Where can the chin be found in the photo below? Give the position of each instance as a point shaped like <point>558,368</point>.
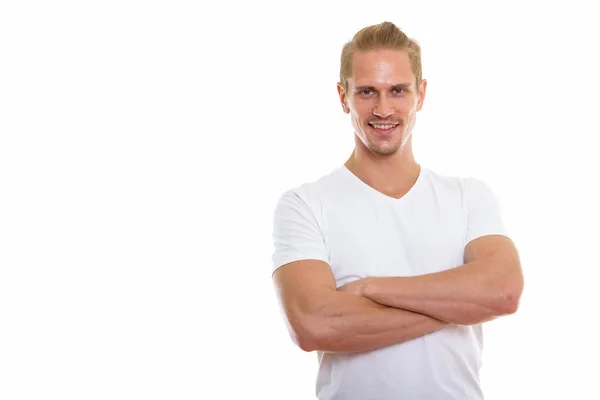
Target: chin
<point>381,145</point>
<point>384,152</point>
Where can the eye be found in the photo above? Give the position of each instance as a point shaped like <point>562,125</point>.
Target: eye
<point>366,92</point>
<point>398,91</point>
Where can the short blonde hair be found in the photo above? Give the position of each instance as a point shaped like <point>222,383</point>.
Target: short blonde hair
<point>385,35</point>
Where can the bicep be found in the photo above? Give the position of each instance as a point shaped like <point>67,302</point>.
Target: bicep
<point>484,213</point>
<point>303,280</point>
<point>303,289</point>
<point>301,286</point>
<point>500,253</point>
<point>297,236</point>
<point>486,235</point>
<point>490,245</point>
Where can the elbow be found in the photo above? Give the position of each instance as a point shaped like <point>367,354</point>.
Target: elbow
<point>306,342</point>
<point>304,335</point>
<point>510,297</point>
<point>508,305</point>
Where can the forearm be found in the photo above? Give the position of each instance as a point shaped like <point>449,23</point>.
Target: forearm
<point>465,295</point>
<point>350,323</point>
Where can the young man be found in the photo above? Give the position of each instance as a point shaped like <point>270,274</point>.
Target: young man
<point>383,267</point>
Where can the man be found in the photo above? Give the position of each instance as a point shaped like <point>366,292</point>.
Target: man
<point>383,267</point>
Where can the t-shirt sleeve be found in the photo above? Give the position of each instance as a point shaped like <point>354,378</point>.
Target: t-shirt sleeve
<point>296,232</point>
<point>484,212</point>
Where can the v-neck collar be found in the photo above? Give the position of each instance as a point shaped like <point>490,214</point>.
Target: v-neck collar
<point>373,191</point>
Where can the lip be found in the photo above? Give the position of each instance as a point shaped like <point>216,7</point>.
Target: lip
<point>384,132</point>
<point>383,123</point>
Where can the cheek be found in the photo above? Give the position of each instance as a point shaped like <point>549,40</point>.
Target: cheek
<point>362,108</point>
<point>360,113</point>
<point>357,122</point>
<point>406,107</point>
<point>410,113</point>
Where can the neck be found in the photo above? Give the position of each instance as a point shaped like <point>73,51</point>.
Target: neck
<point>393,175</point>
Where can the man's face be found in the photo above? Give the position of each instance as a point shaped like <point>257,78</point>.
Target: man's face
<point>382,99</point>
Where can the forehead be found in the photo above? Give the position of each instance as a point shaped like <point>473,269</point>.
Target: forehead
<point>383,66</point>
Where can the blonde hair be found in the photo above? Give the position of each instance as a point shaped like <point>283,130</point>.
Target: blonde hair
<point>385,35</point>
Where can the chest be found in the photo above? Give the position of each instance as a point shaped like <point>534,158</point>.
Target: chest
<point>365,239</point>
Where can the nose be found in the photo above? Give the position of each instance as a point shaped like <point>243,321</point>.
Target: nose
<point>384,108</point>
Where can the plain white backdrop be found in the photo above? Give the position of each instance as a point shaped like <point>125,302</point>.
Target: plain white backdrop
<point>143,146</point>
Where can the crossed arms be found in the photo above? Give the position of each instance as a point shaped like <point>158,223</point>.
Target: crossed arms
<point>379,311</point>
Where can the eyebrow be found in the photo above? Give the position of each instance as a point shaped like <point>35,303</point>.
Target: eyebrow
<point>397,86</point>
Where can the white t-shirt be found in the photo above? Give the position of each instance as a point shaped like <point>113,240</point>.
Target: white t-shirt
<point>361,232</point>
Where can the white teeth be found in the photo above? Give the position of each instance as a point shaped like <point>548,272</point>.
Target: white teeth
<point>383,126</point>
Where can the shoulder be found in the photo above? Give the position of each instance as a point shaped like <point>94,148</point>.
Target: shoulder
<point>467,188</point>
<point>443,181</point>
<point>466,183</point>
<point>311,193</point>
<point>476,187</point>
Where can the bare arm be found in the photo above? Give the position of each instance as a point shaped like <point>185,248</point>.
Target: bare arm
<point>487,286</point>
<point>321,318</point>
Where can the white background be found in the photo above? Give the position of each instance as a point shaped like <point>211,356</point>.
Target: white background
<point>143,146</point>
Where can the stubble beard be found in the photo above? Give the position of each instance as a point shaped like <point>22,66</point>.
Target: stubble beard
<point>386,148</point>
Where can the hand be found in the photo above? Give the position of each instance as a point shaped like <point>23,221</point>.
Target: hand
<point>356,287</point>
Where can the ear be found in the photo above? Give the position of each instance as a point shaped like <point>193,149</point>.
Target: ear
<point>343,98</point>
<point>422,91</point>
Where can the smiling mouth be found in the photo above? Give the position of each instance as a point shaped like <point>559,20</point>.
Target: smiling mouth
<point>383,128</point>
<point>379,126</point>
